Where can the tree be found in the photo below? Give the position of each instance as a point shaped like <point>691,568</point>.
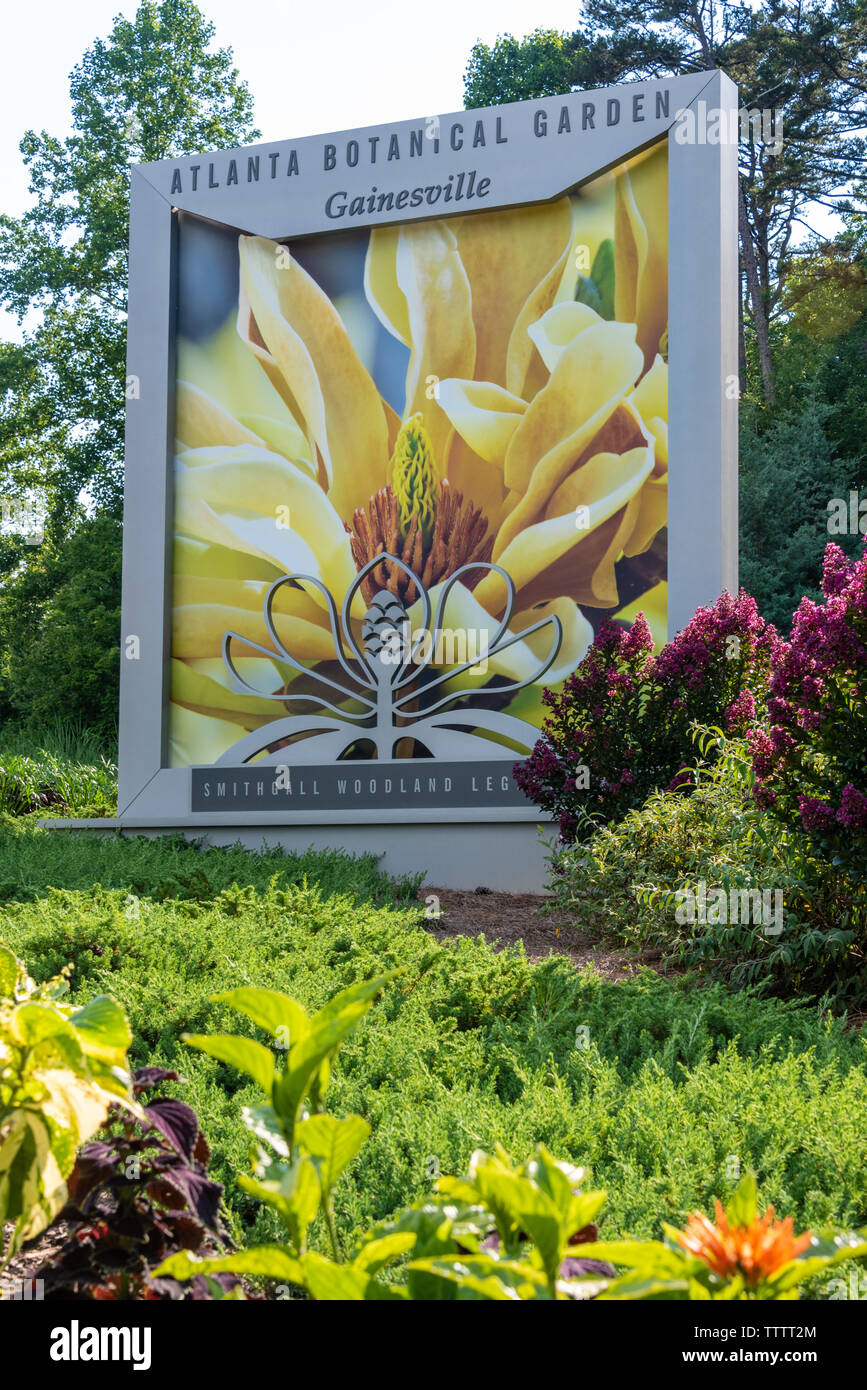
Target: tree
<point>154,88</point>
<point>804,59</point>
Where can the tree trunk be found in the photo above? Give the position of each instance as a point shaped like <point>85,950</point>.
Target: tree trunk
<point>760,312</point>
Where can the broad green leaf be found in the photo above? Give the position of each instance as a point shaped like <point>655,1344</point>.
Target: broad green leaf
<point>602,275</point>
<point>637,1285</point>
<point>332,1142</point>
<point>32,1023</point>
<point>376,1254</point>
<point>328,1028</point>
<point>332,1283</point>
<point>742,1206</point>
<point>293,1191</point>
<point>269,1261</point>
<point>279,1015</point>
<point>584,1209</point>
<point>263,1121</point>
<point>248,1056</point>
<point>649,1256</point>
<point>586,292</point>
<point>498,1280</point>
<point>103,1029</point>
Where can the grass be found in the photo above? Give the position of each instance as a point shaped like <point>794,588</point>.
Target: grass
<point>661,1088</point>
<point>57,769</point>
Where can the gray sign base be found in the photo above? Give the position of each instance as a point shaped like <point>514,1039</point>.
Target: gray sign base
<point>507,858</point>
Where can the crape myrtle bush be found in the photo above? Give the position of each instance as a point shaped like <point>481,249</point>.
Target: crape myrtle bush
<point>626,716</point>
<point>811,763</point>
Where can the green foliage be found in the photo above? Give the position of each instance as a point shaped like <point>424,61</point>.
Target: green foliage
<point>54,786</point>
<point>61,1067</point>
<point>742,1257</point>
<point>501,1233</point>
<point>789,472</point>
<point>651,1084</point>
<point>628,882</point>
<point>154,88</point>
<point>60,630</point>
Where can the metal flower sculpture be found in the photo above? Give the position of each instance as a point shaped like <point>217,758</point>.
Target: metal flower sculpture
<point>394,689</point>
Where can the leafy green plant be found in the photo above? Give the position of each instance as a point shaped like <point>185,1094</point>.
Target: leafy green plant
<point>300,1154</point>
<point>511,1228</point>
<point>503,1232</point>
<point>137,1194</point>
<point>61,1067</point>
<point>47,783</point>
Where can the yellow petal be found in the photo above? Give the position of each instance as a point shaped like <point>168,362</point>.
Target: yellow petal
<point>193,557</point>
<point>386,298</point>
<point>325,384</point>
<point>262,504</point>
<point>641,247</point>
<point>507,256</point>
<point>434,285</point>
<point>652,515</point>
<point>200,420</point>
<point>650,396</point>
<point>576,641</point>
<point>282,437</point>
<point>560,549</point>
<point>557,329</point>
<point>592,376</point>
<point>203,684</point>
<point>484,415</point>
<point>198,631</point>
<point>198,738</point>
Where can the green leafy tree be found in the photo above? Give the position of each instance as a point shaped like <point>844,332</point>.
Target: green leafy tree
<point>60,630</point>
<point>154,88</point>
<point>805,60</point>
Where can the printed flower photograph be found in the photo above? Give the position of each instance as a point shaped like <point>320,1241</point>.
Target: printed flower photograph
<point>471,395</point>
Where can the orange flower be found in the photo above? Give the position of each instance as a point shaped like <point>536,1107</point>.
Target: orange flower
<point>755,1251</point>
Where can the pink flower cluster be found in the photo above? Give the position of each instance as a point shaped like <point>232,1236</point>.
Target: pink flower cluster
<point>811,764</point>
<point>626,715</point>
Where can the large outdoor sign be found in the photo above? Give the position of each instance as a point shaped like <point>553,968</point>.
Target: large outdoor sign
<point>411,411</point>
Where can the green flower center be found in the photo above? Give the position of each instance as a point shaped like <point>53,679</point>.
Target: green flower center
<point>414,477</point>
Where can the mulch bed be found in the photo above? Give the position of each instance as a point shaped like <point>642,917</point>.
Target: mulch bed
<point>507,918</point>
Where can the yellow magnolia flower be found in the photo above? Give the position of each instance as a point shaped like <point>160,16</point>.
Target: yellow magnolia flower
<point>533,435</point>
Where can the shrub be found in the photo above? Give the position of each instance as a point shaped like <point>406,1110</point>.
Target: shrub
<point>811,765</point>
<point>620,728</point>
<point>471,1047</point>
<point>46,784</point>
<point>631,880</point>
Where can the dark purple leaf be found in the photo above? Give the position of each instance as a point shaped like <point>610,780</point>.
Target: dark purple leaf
<point>177,1122</point>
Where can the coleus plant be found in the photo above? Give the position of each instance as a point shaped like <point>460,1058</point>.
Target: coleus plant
<point>136,1196</point>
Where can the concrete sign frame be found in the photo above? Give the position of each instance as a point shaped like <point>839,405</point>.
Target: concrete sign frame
<point>297,193</point>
